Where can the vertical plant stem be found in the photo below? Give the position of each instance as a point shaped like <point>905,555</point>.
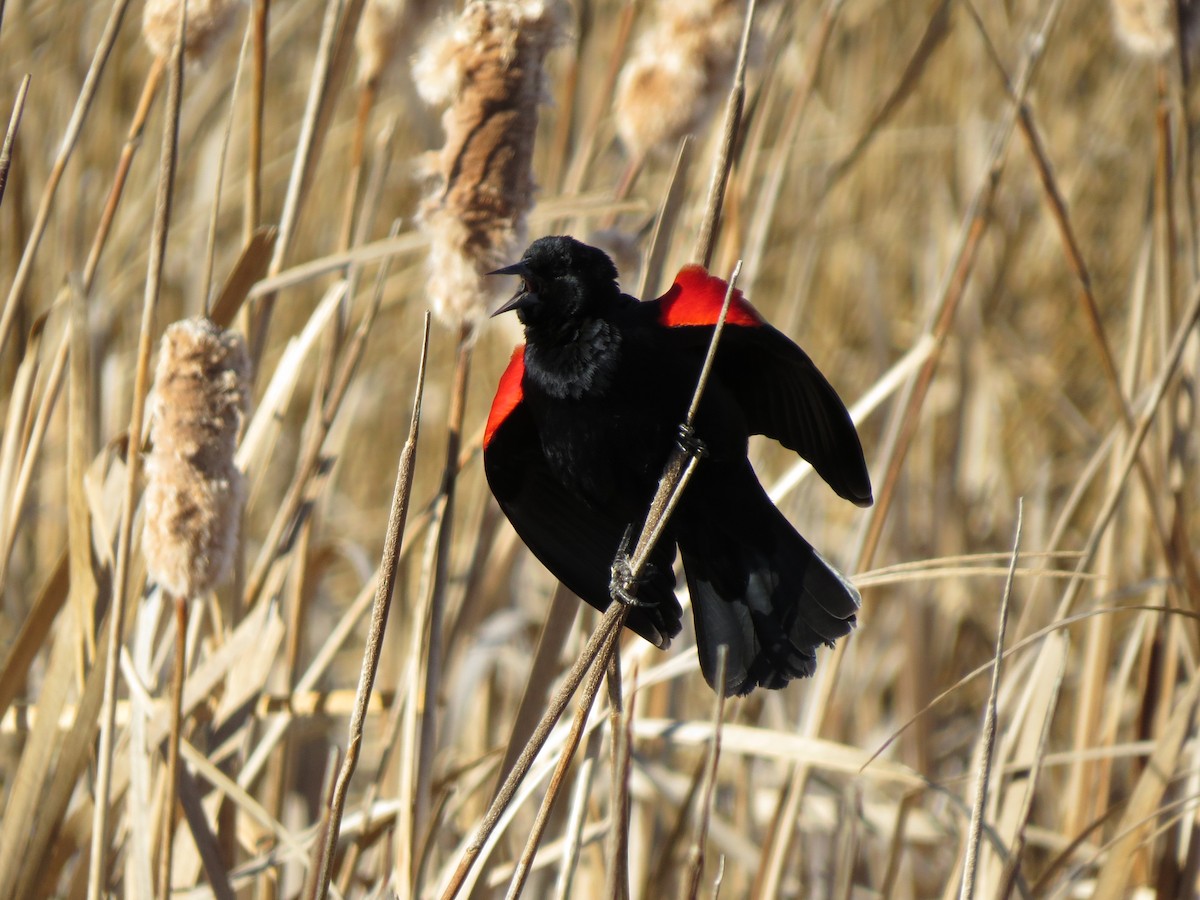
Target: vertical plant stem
<point>97,871</point>
<point>172,777</point>
<point>704,808</point>
<point>988,739</point>
<point>261,17</point>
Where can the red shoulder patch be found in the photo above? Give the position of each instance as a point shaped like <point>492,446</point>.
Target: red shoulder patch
<point>696,298</point>
<point>508,394</point>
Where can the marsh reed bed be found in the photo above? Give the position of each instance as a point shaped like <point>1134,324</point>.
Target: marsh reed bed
<point>217,496</point>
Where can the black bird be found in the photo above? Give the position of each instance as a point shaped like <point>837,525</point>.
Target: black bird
<point>585,418</point>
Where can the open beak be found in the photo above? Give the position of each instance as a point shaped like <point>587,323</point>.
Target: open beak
<point>522,297</point>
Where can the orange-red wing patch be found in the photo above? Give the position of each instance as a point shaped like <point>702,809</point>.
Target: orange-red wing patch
<point>696,298</point>
<point>508,394</point>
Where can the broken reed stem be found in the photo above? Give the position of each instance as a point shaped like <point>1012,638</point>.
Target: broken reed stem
<point>988,738</point>
<point>14,122</point>
<point>676,475</point>
<point>570,745</point>
<point>704,809</point>
<point>388,569</point>
<point>97,865</point>
<point>706,240</point>
<point>168,812</point>
<point>82,105</point>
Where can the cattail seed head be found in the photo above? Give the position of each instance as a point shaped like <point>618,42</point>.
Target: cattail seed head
<point>207,22</point>
<point>376,38</point>
<point>194,490</point>
<point>488,65</point>
<point>677,73</point>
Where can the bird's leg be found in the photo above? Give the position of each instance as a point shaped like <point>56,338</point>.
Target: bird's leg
<point>622,583</point>
<point>690,443</point>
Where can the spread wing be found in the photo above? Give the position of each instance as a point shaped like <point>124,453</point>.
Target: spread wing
<point>575,541</point>
<point>782,393</point>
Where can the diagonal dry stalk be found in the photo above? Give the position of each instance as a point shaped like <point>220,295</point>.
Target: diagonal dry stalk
<point>379,615</point>
<point>158,243</point>
<point>132,142</point>
<point>83,105</point>
<point>14,122</point>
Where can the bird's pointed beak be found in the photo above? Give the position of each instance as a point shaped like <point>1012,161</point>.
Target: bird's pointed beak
<point>522,297</point>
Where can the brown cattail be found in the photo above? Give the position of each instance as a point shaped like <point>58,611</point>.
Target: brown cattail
<point>488,65</point>
<point>207,22</point>
<point>678,72</point>
<point>1145,28</point>
<point>194,494</point>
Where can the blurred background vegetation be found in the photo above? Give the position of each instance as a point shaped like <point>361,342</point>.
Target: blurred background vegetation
<point>978,218</point>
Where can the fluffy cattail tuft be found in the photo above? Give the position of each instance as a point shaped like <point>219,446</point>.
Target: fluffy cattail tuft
<point>194,494</point>
<point>376,38</point>
<point>207,22</point>
<point>488,65</point>
<point>678,72</point>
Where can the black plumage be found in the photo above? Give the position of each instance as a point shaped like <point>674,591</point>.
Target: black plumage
<point>586,416</point>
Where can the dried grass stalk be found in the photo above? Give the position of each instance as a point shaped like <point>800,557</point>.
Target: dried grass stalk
<point>488,66</point>
<point>207,23</point>
<point>679,71</point>
<point>194,493</point>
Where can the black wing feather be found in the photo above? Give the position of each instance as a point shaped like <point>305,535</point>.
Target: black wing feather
<point>575,541</point>
<point>784,396</point>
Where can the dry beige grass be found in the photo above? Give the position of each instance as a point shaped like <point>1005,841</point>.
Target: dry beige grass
<point>975,217</point>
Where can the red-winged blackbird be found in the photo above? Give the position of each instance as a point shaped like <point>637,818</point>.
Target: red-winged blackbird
<point>585,418</point>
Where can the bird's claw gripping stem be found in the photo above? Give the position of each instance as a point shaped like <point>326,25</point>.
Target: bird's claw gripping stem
<point>623,583</point>
<point>690,443</point>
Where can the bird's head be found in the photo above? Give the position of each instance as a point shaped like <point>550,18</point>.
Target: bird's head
<point>562,281</point>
